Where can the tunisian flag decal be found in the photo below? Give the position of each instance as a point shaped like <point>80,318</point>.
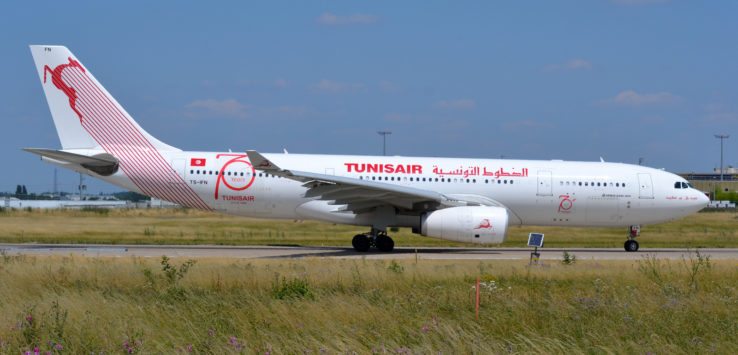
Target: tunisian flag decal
<point>197,162</point>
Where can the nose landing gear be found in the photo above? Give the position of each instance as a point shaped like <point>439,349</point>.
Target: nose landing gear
<point>375,238</point>
<point>631,244</point>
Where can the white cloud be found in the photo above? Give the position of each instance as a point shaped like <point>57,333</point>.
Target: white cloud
<point>632,98</point>
<point>462,104</point>
<point>326,85</point>
<point>574,64</point>
<point>332,19</point>
<point>212,107</point>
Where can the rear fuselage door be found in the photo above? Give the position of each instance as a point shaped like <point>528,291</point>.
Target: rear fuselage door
<point>645,186</point>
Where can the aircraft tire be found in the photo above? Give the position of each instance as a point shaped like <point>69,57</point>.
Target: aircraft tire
<point>631,246</point>
<point>385,243</point>
<point>361,243</point>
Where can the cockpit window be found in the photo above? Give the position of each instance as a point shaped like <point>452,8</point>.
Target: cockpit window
<point>685,185</point>
<point>678,185</point>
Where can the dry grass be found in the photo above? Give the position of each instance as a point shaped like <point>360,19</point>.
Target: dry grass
<point>340,306</point>
<point>183,226</point>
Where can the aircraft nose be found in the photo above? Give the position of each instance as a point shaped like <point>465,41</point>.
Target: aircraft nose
<point>704,200</point>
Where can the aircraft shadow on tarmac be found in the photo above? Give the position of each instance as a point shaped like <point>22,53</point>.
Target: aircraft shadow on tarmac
<point>344,252</point>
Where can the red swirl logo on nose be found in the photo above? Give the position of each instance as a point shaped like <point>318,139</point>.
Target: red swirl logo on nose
<point>56,79</point>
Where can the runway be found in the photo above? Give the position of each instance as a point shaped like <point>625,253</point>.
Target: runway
<point>440,253</point>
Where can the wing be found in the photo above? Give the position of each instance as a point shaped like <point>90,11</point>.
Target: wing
<point>103,164</point>
<point>359,196</point>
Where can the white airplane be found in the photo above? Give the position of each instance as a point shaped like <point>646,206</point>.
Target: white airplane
<point>459,199</point>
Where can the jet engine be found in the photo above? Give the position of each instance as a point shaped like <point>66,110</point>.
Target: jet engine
<point>468,224</point>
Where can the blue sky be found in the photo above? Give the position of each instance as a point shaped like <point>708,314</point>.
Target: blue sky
<point>572,80</point>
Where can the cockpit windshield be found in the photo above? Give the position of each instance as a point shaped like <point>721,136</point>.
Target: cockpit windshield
<point>682,185</point>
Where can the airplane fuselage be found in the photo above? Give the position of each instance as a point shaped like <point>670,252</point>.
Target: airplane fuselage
<point>536,192</point>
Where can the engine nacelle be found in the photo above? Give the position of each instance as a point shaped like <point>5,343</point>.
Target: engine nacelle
<point>468,224</point>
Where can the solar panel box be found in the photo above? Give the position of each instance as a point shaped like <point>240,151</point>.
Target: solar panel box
<point>535,240</point>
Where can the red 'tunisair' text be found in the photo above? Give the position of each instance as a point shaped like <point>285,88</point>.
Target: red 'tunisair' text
<point>384,168</point>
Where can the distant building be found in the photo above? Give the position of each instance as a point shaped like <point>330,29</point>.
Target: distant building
<point>729,170</point>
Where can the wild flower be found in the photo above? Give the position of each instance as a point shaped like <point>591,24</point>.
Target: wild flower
<point>59,347</point>
<point>189,348</point>
<point>29,319</point>
<point>211,332</point>
<point>425,329</point>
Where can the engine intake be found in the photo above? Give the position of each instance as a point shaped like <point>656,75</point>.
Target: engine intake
<point>468,224</point>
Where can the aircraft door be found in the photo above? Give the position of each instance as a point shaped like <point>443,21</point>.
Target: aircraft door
<point>544,183</point>
<point>645,186</point>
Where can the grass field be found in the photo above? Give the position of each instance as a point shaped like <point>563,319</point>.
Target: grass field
<point>312,306</point>
<point>184,226</point>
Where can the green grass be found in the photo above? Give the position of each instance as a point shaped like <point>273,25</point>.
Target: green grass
<point>184,226</point>
<point>98,305</point>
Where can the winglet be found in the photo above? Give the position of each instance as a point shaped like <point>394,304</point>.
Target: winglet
<point>261,163</point>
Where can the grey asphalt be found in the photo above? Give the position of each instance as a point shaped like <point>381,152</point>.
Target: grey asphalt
<point>440,253</point>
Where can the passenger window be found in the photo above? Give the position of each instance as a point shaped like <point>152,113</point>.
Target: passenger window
<point>623,184</point>
<point>486,181</point>
<point>474,181</point>
<point>511,181</point>
<point>499,181</point>
<point>598,184</point>
<point>586,184</point>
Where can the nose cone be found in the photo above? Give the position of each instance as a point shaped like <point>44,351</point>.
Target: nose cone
<point>703,200</point>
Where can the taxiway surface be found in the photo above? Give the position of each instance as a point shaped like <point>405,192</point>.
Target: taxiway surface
<point>440,253</point>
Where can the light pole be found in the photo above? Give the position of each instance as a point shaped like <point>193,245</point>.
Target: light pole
<point>721,137</point>
<point>384,140</point>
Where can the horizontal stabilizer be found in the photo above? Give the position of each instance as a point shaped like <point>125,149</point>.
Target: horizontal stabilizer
<point>102,164</point>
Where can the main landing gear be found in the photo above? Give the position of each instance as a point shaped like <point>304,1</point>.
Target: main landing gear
<point>376,238</point>
<point>631,244</point>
